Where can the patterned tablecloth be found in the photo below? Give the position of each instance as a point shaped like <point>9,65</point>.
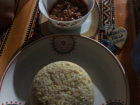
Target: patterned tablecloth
<point>26,29</point>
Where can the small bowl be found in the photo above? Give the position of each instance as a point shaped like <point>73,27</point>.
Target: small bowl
<point>45,6</point>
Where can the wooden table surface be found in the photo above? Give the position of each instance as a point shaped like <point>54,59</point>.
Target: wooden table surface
<point>124,17</point>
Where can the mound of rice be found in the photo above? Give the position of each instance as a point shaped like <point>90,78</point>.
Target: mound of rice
<point>62,83</point>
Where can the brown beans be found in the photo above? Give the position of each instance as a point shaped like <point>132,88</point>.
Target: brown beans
<point>68,10</point>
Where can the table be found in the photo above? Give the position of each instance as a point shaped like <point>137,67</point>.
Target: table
<point>25,29</point>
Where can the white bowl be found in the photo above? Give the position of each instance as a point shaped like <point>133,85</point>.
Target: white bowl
<point>45,5</point>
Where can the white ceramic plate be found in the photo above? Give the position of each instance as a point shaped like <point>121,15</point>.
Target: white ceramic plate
<point>107,74</point>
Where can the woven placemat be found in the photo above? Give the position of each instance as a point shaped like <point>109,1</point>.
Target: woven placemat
<point>5,31</point>
<point>33,34</point>
<point>33,29</point>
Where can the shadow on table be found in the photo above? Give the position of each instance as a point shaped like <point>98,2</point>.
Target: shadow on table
<point>23,79</point>
<point>28,102</point>
<point>19,7</point>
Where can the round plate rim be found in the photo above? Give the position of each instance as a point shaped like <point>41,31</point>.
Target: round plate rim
<point>87,38</point>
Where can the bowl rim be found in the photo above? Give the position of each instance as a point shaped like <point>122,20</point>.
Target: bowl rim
<point>65,21</point>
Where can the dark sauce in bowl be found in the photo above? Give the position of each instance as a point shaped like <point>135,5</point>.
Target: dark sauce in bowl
<point>68,10</point>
